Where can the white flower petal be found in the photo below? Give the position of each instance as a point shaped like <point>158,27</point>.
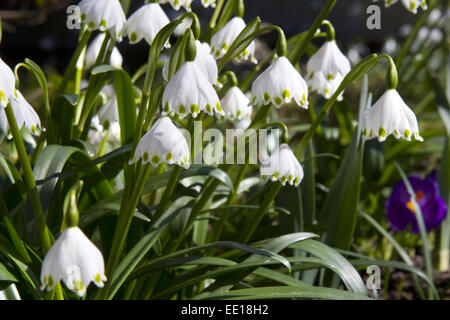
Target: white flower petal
<point>7,83</point>
<point>280,83</point>
<point>222,40</point>
<point>390,115</point>
<point>189,91</point>
<point>93,51</point>
<point>103,15</point>
<point>235,104</point>
<point>74,259</point>
<point>163,143</point>
<point>326,69</point>
<point>145,23</point>
<point>283,166</point>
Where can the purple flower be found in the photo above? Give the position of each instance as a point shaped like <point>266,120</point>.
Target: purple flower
<point>400,209</point>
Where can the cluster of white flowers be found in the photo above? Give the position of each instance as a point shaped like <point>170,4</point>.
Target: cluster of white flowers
<point>74,258</point>
<point>24,113</point>
<point>411,5</point>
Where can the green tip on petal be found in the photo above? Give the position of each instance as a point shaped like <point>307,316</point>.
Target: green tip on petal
<point>330,77</point>
<point>194,108</point>
<point>278,100</point>
<point>133,36</point>
<point>169,156</point>
<point>407,133</point>
<point>382,132</point>
<point>266,96</point>
<point>218,107</point>
<point>286,94</point>
<point>98,278</point>
<point>166,107</point>
<point>103,23</point>
<point>365,132</point>
<point>91,25</point>
<point>182,109</point>
<point>50,282</point>
<point>208,108</point>
<point>145,156</point>
<point>155,159</point>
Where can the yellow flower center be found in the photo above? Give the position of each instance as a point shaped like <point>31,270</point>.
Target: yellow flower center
<point>419,196</point>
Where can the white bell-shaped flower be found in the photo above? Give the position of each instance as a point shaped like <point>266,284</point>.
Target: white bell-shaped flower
<point>280,83</point>
<point>204,61</point>
<point>222,40</point>
<point>326,69</point>
<point>7,83</point>
<point>103,15</point>
<point>93,50</point>
<point>235,104</point>
<point>189,91</point>
<point>145,23</point>
<point>177,4</point>
<point>390,115</point>
<point>283,166</point>
<point>74,259</point>
<point>24,113</point>
<point>164,142</point>
<point>108,117</point>
<point>411,5</point>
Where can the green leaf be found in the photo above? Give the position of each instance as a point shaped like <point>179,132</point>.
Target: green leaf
<point>339,210</point>
<point>337,262</point>
<point>126,102</point>
<point>134,256</point>
<point>6,278</point>
<point>63,113</point>
<point>288,292</point>
<point>49,164</point>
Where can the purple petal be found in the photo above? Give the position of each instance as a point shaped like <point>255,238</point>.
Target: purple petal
<point>398,215</point>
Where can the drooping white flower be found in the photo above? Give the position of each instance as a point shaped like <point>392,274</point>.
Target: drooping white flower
<point>103,15</point>
<point>280,83</point>
<point>222,40</point>
<point>145,23</point>
<point>204,61</point>
<point>235,104</point>
<point>207,3</point>
<point>177,4</point>
<point>7,83</point>
<point>390,115</point>
<point>411,5</point>
<point>108,116</point>
<point>189,91</point>
<point>24,113</point>
<point>242,124</point>
<point>326,69</point>
<point>283,166</point>
<point>93,50</point>
<point>74,259</point>
<point>163,143</point>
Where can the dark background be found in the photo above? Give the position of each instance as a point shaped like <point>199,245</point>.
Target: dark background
<point>37,28</point>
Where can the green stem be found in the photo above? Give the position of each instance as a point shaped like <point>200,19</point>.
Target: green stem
<point>223,215</point>
<point>122,227</point>
<point>248,231</point>
<point>300,47</point>
<point>212,22</point>
<point>168,192</point>
<point>29,180</point>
